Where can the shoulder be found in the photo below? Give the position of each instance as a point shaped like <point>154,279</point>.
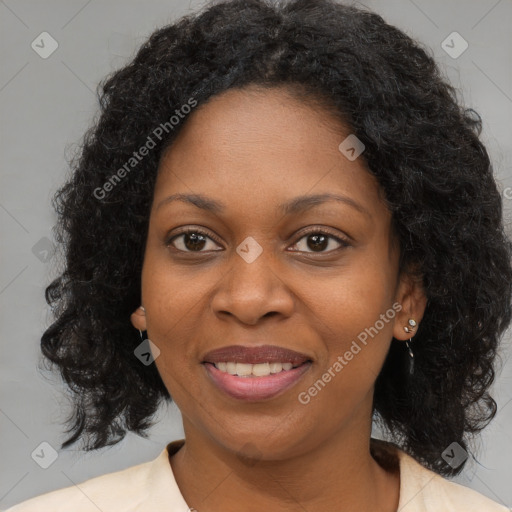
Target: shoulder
<point>146,486</point>
<point>106,492</point>
<point>422,490</point>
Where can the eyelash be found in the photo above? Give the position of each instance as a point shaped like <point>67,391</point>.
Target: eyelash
<point>317,231</point>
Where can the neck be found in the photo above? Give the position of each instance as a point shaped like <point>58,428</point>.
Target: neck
<point>339,474</point>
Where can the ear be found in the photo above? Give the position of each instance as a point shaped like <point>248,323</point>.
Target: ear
<point>138,319</point>
<point>411,295</point>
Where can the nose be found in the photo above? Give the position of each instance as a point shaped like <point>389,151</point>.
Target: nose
<point>252,290</point>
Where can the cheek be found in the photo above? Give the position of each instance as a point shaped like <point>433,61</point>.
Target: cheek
<point>171,301</point>
<point>353,314</point>
<point>352,296</point>
<point>173,293</point>
<point>354,319</point>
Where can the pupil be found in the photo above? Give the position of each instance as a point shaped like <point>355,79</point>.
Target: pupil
<point>319,242</point>
<point>194,241</point>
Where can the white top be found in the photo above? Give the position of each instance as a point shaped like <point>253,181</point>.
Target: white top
<point>151,487</point>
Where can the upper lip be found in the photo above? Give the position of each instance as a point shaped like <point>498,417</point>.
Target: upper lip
<point>255,355</point>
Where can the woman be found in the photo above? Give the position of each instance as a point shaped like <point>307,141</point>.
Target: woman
<point>284,221</point>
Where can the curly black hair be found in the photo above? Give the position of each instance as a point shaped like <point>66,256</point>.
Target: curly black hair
<point>421,144</point>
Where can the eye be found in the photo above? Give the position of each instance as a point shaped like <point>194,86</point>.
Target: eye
<point>197,240</point>
<point>318,241</point>
<point>192,240</point>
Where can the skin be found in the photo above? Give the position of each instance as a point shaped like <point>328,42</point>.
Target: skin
<point>253,149</point>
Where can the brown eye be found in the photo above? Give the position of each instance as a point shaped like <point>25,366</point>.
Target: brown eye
<point>319,241</point>
<point>192,241</point>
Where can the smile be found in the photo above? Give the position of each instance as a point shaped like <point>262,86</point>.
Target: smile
<point>253,370</point>
<point>255,382</point>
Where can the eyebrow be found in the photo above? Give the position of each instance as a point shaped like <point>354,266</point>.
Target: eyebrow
<point>297,205</point>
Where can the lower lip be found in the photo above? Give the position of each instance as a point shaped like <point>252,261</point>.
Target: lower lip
<point>256,388</point>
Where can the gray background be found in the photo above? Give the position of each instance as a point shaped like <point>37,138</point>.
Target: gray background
<point>46,105</point>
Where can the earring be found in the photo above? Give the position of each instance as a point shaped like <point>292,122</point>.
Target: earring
<point>410,328</point>
<point>410,364</point>
<point>142,337</point>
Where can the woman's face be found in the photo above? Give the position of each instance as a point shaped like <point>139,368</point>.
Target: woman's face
<point>266,264</point>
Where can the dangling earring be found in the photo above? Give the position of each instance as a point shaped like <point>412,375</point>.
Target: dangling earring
<point>410,328</point>
<point>142,337</point>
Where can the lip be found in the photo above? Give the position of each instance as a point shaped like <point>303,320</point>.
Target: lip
<point>255,355</point>
<point>256,388</point>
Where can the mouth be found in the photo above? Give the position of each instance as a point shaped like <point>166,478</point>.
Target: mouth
<point>254,370</point>
<point>255,373</point>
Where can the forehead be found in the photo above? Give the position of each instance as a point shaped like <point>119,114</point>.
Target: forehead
<point>260,146</point>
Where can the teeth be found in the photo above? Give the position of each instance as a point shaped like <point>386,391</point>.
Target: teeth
<point>275,367</point>
<point>260,370</point>
<point>256,370</point>
<point>243,369</point>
